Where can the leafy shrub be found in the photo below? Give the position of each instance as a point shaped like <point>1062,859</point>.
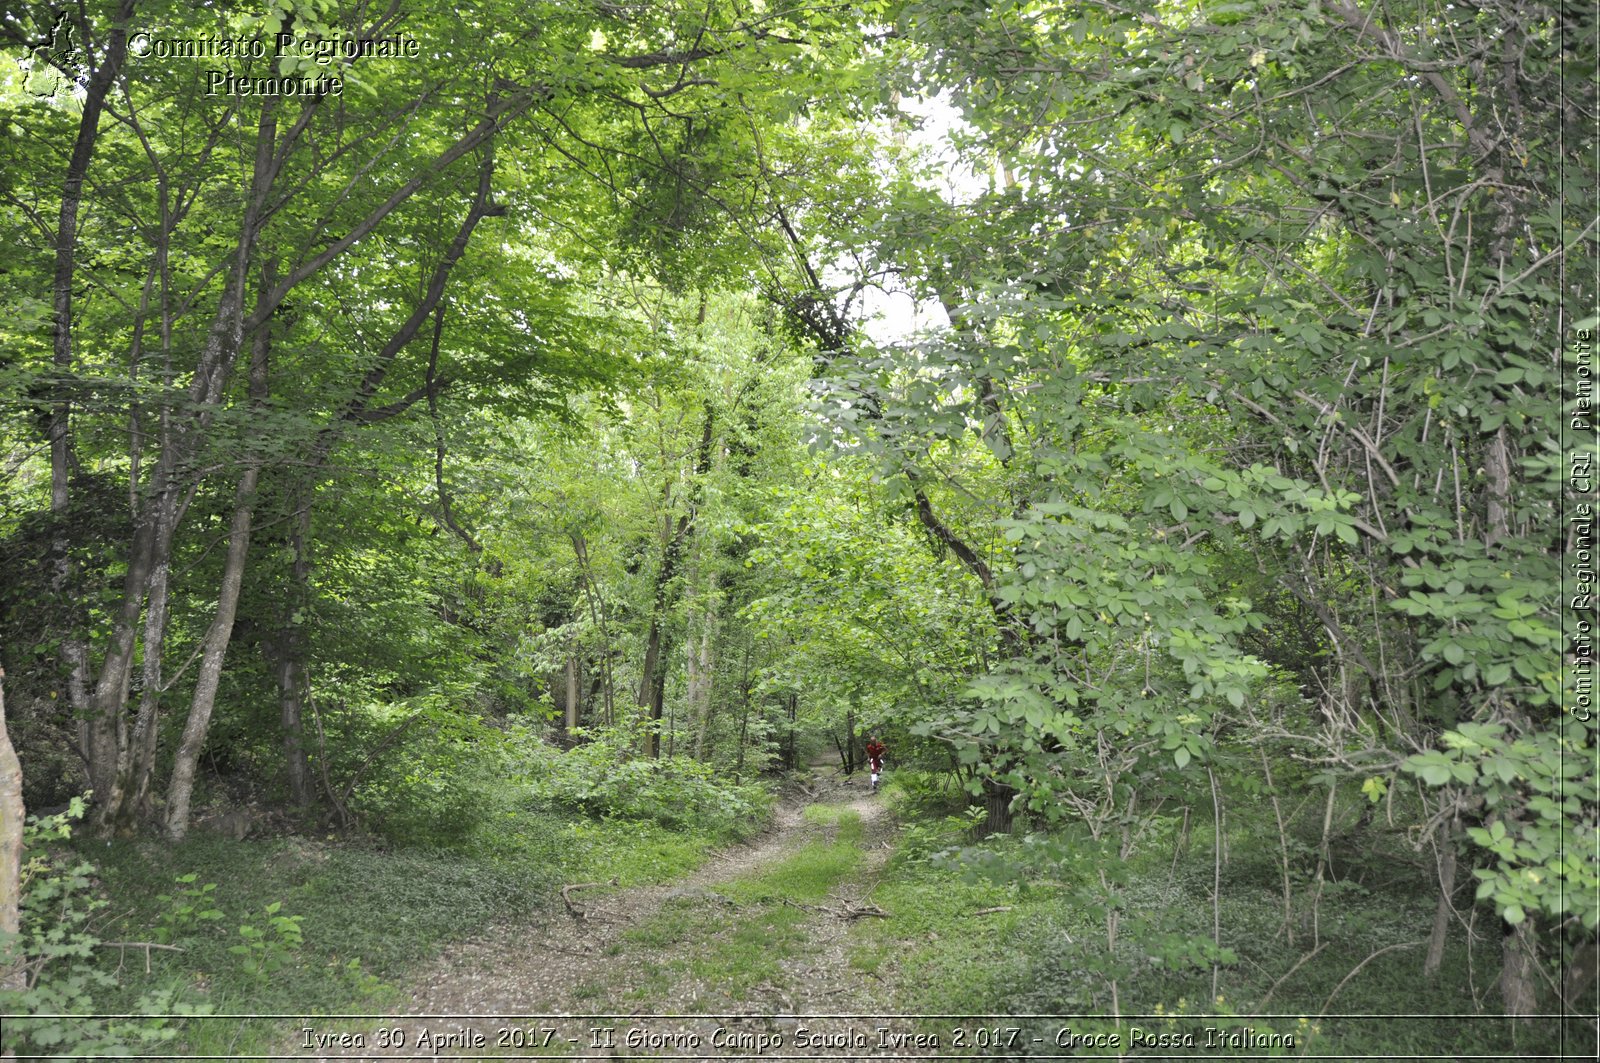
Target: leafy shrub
<point>186,909</point>
<point>925,794</point>
<point>423,789</point>
<point>266,951</point>
<point>598,779</point>
<point>56,944</point>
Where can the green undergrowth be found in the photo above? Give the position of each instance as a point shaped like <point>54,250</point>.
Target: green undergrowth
<point>334,923</point>
<point>363,916</point>
<point>1045,950</point>
<point>602,779</point>
<point>738,938</point>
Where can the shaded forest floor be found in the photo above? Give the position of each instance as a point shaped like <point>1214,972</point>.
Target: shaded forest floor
<point>848,904</point>
<point>758,941</point>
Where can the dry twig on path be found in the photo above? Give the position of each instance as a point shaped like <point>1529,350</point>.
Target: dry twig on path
<point>575,910</point>
<point>844,911</point>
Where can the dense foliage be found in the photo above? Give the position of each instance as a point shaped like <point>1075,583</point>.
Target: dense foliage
<point>508,438</point>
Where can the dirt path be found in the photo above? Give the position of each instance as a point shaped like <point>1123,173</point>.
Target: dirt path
<point>667,969</point>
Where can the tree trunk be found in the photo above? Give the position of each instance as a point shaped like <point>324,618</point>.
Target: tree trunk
<point>1444,909</point>
<point>173,484</point>
<point>136,769</point>
<point>74,651</point>
<point>1322,867</point>
<point>847,752</point>
<point>290,657</point>
<point>653,678</point>
<point>1582,972</point>
<point>597,613</point>
<point>744,739</point>
<point>291,648</point>
<point>744,716</point>
<point>572,695</point>
<point>214,650</point>
<point>701,664</point>
<point>221,629</point>
<point>297,769</point>
<point>650,683</point>
<point>791,759</point>
<point>1283,850</point>
<point>997,804</point>
<point>12,814</point>
<point>122,803</point>
<point>1517,991</point>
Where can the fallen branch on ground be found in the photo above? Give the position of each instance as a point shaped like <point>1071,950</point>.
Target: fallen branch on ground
<point>1285,976</point>
<point>844,911</point>
<point>568,952</point>
<point>1357,968</point>
<point>574,910</point>
<point>990,911</point>
<point>146,945</point>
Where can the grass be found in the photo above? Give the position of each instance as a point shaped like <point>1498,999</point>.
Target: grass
<point>369,915</point>
<point>366,914</point>
<point>768,929</point>
<point>1047,953</point>
<point>635,854</point>
<point>309,926</point>
<point>737,948</point>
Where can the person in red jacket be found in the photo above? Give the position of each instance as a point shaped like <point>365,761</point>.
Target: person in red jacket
<point>875,752</point>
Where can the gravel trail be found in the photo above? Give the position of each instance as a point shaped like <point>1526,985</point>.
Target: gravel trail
<point>526,989</point>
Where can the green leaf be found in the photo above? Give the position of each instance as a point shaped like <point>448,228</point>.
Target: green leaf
<point>1432,767</point>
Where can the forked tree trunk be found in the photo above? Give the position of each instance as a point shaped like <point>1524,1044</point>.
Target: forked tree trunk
<point>173,484</point>
<point>214,649</point>
<point>120,805</point>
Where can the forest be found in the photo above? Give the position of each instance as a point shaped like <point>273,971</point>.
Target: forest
<point>474,477</point>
